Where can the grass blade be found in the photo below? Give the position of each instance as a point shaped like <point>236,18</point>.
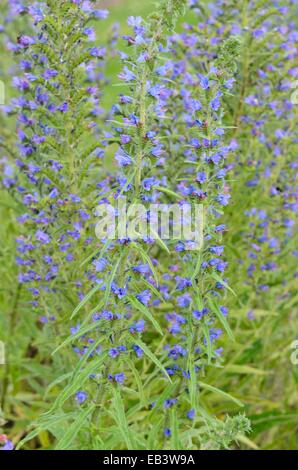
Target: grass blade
<point>73,430</point>
<point>229,397</point>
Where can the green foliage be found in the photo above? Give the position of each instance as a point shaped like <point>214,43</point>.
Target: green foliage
<point>42,375</point>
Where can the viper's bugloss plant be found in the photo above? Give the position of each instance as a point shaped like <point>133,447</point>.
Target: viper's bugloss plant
<point>262,224</point>
<point>58,127</point>
<point>12,321</point>
<point>141,292</point>
<point>59,140</point>
<point>140,342</point>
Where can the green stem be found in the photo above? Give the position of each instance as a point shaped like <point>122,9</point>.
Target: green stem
<point>141,130</point>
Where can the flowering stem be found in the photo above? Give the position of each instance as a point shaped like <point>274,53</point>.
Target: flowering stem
<point>141,130</point>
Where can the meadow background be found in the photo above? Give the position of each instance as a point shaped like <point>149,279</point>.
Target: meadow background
<point>257,368</point>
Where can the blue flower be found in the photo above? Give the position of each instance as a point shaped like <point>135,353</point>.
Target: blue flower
<point>223,199</point>
<point>215,103</point>
<point>224,310</point>
<point>177,351</point>
<point>49,73</point>
<point>157,151</point>
<point>217,250</point>
<point>107,315</point>
<point>100,14</point>
<point>137,327</point>
<point>199,314</point>
<point>123,158</point>
<point>7,446</point>
<point>127,75</point>
<point>125,139</point>
<point>184,300</point>
<point>90,33</point>
<point>100,264</point>
<point>137,350</point>
<point>134,21</point>
<point>148,183</point>
<point>42,237</point>
<point>113,353</point>
<point>25,41</point>
<point>81,397</point>
<point>191,414</point>
<point>144,297</point>
<point>119,378</point>
<point>97,52</point>
<point>204,82</point>
<point>142,268</point>
<point>201,177</point>
<point>170,402</point>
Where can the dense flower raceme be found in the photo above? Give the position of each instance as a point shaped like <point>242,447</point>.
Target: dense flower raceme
<point>58,120</point>
<point>268,116</point>
<point>12,24</point>
<point>263,112</point>
<point>137,286</point>
<point>203,145</point>
<point>262,225</point>
<point>181,131</point>
<point>59,75</point>
<point>132,285</point>
<point>196,162</point>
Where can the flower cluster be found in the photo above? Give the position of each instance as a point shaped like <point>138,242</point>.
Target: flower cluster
<point>261,111</point>
<point>158,160</point>
<point>136,326</point>
<point>59,87</point>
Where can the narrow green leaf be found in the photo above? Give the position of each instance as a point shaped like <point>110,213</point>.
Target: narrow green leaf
<point>120,419</point>
<point>95,253</point>
<point>229,397</point>
<point>246,441</point>
<point>175,445</point>
<point>78,381</point>
<point>160,242</point>
<point>222,319</point>
<point>65,442</point>
<point>219,279</point>
<point>146,257</point>
<point>243,369</point>
<point>57,382</point>
<point>138,380</point>
<point>139,306</point>
<point>110,281</point>
<point>268,420</point>
<point>205,329</point>
<point>152,356</point>
<point>168,191</point>
<point>197,267</point>
<point>45,422</point>
<point>82,331</point>
<point>86,299</point>
<point>193,385</point>
<point>154,434</point>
